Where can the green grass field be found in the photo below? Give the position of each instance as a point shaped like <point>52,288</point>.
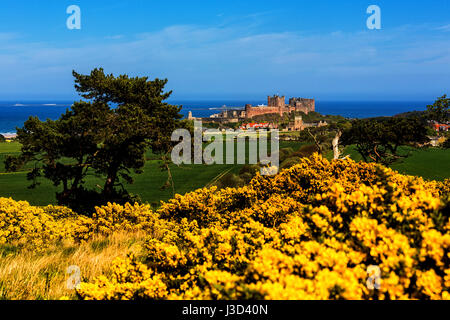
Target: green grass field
<point>429,163</point>
<point>147,185</point>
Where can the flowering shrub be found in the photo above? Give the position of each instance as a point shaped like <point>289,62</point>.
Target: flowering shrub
<point>24,224</point>
<point>35,227</point>
<point>129,280</point>
<point>309,232</point>
<point>444,187</point>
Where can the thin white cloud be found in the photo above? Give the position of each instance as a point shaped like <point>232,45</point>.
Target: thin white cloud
<point>227,59</point>
<point>444,28</point>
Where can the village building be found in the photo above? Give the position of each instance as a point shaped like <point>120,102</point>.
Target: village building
<point>256,126</point>
<point>441,127</point>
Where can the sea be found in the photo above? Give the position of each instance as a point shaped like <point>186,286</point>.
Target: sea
<point>14,113</point>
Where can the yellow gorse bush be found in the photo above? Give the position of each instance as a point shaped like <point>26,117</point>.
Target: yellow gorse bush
<point>23,224</point>
<point>36,227</point>
<point>310,232</point>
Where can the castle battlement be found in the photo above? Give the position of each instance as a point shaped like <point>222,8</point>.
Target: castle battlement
<point>277,104</point>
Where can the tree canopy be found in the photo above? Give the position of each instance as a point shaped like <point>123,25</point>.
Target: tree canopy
<point>323,137</point>
<point>439,111</point>
<point>379,139</point>
<point>107,136</point>
<point>446,144</point>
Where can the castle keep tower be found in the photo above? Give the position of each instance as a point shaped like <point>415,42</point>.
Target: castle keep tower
<point>276,101</point>
<point>302,104</point>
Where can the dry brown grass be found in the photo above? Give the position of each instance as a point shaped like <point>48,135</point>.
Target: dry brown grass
<point>30,275</point>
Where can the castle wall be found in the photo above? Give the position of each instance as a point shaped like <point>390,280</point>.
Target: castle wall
<point>251,112</point>
<point>276,105</point>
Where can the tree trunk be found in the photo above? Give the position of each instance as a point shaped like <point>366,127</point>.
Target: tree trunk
<point>336,152</point>
<point>110,181</point>
<point>319,148</point>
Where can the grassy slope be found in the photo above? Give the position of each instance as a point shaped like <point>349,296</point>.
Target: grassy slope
<point>430,163</point>
<point>147,185</point>
<point>30,275</point>
<point>433,164</point>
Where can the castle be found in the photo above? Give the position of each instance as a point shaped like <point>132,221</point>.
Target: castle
<point>277,105</point>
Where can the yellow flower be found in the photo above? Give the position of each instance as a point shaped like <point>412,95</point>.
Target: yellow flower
<point>309,232</point>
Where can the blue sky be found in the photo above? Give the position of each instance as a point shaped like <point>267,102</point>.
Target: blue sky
<point>231,49</point>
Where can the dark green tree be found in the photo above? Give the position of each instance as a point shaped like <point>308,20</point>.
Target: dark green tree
<point>439,111</point>
<point>2,138</point>
<point>446,144</point>
<point>106,136</point>
<point>379,139</point>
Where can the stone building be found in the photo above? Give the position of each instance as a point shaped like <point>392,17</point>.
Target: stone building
<point>297,124</point>
<point>276,101</point>
<point>302,104</point>
<point>277,105</point>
